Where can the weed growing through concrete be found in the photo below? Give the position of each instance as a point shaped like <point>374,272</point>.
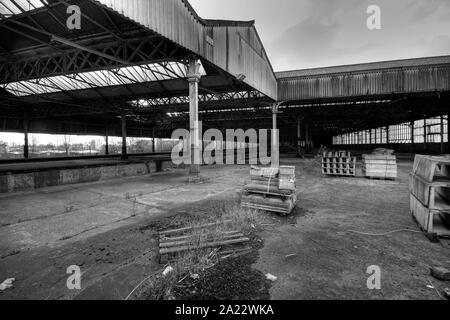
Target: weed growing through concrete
<point>228,217</point>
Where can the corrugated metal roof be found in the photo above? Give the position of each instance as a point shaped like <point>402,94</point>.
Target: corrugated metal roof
<point>98,79</point>
<point>365,67</point>
<point>233,46</point>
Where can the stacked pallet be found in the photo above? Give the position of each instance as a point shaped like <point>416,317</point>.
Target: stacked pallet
<point>209,236</point>
<point>430,194</point>
<point>271,189</point>
<point>381,164</point>
<point>339,163</point>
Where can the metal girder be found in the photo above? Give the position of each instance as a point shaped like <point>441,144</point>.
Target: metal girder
<point>133,52</point>
<point>223,97</point>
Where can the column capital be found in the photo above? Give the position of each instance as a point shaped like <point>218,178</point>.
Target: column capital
<point>193,73</point>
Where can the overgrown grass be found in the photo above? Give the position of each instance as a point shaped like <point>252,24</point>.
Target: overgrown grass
<point>227,216</point>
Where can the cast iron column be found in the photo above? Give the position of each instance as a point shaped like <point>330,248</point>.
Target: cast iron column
<point>25,132</point>
<point>124,137</point>
<point>195,134</point>
<point>275,150</point>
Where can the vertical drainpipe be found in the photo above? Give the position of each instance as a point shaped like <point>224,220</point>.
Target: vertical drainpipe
<point>195,134</point>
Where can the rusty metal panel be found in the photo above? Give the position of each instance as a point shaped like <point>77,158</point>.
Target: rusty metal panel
<point>310,84</point>
<point>238,50</point>
<point>170,18</point>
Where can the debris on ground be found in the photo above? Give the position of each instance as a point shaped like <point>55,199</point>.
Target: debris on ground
<point>447,293</point>
<point>229,279</point>
<point>271,277</point>
<point>8,283</point>
<point>440,273</point>
<point>167,270</point>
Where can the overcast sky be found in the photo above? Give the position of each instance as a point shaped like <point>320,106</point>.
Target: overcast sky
<point>315,33</point>
<point>300,34</point>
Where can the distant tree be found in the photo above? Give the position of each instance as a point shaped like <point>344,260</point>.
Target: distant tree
<point>3,149</point>
<point>33,143</point>
<point>66,144</point>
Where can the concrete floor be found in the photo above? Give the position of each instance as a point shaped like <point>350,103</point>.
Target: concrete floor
<point>109,230</point>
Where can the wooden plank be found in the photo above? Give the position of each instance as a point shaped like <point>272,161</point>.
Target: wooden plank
<point>185,229</point>
<point>166,238</point>
<point>192,241</point>
<point>204,245</point>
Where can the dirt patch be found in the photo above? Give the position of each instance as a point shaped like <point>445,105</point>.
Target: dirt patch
<point>231,279</point>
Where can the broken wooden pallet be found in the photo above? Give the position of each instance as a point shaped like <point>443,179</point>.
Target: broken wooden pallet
<point>174,242</point>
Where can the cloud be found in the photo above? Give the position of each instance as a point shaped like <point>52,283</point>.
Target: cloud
<point>425,9</point>
<point>313,39</point>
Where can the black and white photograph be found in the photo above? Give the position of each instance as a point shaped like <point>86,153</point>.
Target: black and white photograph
<point>218,158</point>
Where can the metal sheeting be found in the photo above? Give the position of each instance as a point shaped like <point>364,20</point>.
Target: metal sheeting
<point>418,78</point>
<point>233,46</point>
<point>238,50</point>
<point>170,18</point>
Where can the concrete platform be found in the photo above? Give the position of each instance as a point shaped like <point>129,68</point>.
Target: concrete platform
<point>30,175</point>
<point>110,229</point>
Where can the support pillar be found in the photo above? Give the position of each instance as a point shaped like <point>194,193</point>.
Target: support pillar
<point>307,135</point>
<point>387,136</point>
<point>425,135</point>
<point>413,143</point>
<point>299,135</point>
<point>124,137</point>
<point>153,141</point>
<point>442,135</point>
<point>275,149</point>
<point>25,133</point>
<point>106,141</point>
<point>195,134</point>
<point>448,133</point>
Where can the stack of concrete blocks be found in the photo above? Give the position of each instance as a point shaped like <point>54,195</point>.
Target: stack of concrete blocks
<point>381,164</point>
<point>429,187</point>
<point>271,189</point>
<point>338,163</point>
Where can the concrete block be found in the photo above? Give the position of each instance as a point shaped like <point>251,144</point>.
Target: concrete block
<point>46,178</point>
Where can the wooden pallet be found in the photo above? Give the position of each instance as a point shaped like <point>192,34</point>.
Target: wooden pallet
<point>174,242</point>
<point>382,166</point>
<point>272,203</point>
